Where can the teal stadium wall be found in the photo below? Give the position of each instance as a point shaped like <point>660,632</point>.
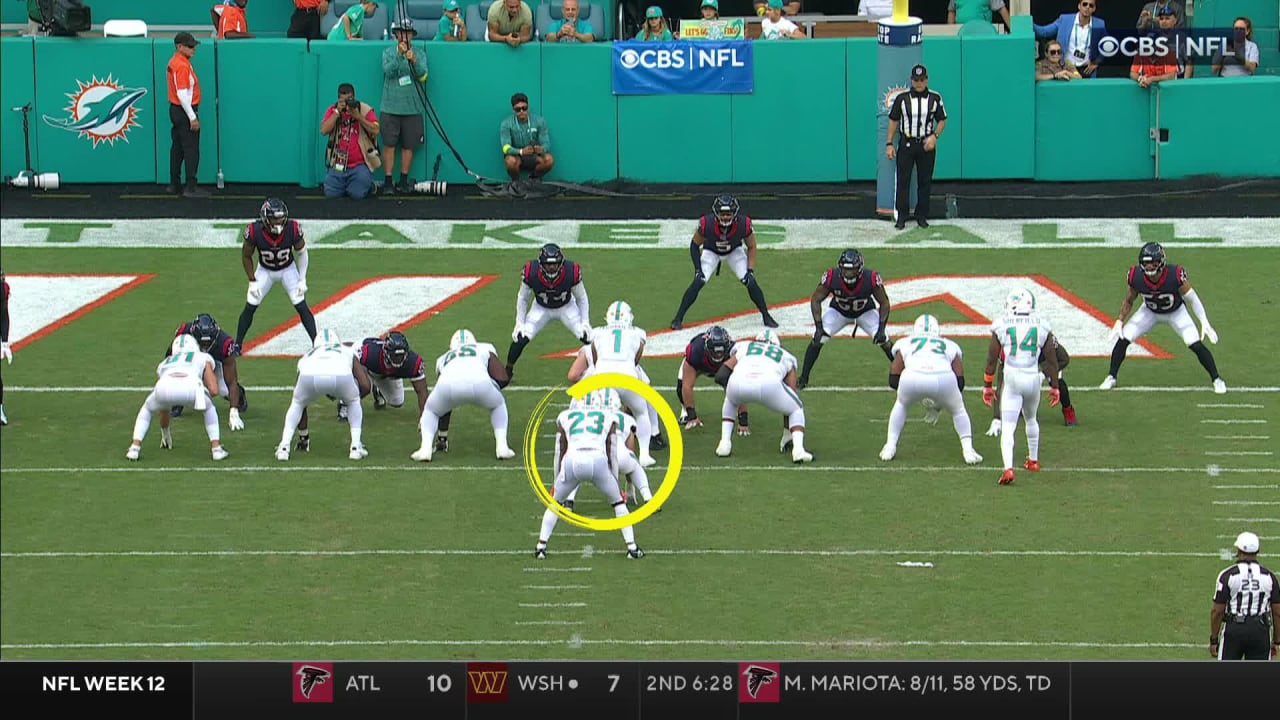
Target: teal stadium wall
<point>811,118</point>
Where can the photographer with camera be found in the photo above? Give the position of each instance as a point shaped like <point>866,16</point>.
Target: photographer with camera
<point>352,155</point>
<point>402,126</point>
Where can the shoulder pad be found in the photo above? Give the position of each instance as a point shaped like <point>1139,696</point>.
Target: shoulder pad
<point>746,225</point>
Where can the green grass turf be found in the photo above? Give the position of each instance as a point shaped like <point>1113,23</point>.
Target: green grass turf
<point>243,560</point>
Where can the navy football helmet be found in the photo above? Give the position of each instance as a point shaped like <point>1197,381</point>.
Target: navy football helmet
<point>718,343</point>
<point>395,348</point>
<point>205,330</point>
<point>1151,258</point>
<point>850,265</point>
<point>551,260</point>
<point>274,214</point>
<point>726,209</point>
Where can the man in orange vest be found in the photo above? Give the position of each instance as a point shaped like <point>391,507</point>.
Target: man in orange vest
<point>305,22</point>
<point>231,23</point>
<point>184,108</point>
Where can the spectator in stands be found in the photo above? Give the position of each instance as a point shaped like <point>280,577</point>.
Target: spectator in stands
<point>451,27</point>
<point>876,9</point>
<point>1148,16</point>
<point>1242,60</point>
<point>655,26</point>
<point>402,126</point>
<point>776,27</point>
<point>351,25</point>
<point>511,22</point>
<point>960,12</point>
<point>351,156</point>
<point>710,9</point>
<point>305,22</point>
<point>229,20</point>
<point>572,28</point>
<point>526,141</point>
<point>1078,34</point>
<point>792,7</point>
<point>1156,69</point>
<point>1053,66</point>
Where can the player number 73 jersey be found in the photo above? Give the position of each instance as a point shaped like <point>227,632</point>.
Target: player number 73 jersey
<point>1021,339</point>
<point>758,359</point>
<point>926,354</point>
<point>587,428</point>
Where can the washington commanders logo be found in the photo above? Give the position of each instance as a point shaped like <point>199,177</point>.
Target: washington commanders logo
<point>102,110</point>
<point>486,682</point>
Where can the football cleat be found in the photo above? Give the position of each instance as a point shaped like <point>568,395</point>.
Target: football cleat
<point>133,452</point>
<point>567,504</point>
<point>647,461</point>
<point>768,320</point>
<point>971,457</point>
<point>539,553</point>
<point>1219,387</point>
<point>724,448</point>
<point>422,454</point>
<point>342,412</point>
<point>1107,384</point>
<point>1069,415</point>
<point>379,402</point>
<point>175,411</point>
<point>657,442</point>
<point>304,443</point>
<point>888,452</point>
<point>801,456</point>
<point>506,453</point>
<point>1006,477</point>
<point>220,453</point>
<point>1032,465</point>
<point>358,452</point>
<point>802,382</point>
<point>635,554</point>
<point>3,419</point>
<point>442,444</point>
<point>282,453</point>
<point>244,399</point>
<point>785,444</point>
<point>677,324</point>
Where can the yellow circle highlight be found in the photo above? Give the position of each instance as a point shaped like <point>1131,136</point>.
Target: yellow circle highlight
<point>675,446</point>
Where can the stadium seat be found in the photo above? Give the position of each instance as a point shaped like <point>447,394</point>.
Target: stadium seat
<point>426,16</point>
<point>124,28</point>
<point>477,20</point>
<point>376,25</point>
<point>549,12</point>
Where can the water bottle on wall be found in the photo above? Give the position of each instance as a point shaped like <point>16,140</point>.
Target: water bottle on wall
<point>221,183</point>
<point>952,211</point>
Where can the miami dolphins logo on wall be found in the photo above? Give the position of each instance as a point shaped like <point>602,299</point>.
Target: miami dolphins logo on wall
<point>104,110</point>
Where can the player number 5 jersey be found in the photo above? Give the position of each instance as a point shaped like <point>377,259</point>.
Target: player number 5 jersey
<point>926,354</point>
<point>1021,339</point>
<point>757,359</point>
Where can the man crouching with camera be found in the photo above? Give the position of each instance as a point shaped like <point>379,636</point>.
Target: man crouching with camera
<point>352,155</point>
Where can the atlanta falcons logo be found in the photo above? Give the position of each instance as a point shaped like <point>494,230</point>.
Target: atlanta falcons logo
<point>311,676</point>
<point>757,676</point>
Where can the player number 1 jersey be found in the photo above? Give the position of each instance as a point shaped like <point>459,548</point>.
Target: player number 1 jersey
<point>617,347</point>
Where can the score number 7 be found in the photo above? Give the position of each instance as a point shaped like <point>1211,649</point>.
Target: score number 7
<point>613,682</point>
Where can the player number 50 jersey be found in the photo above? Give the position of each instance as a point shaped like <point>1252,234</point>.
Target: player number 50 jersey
<point>927,354</point>
<point>1021,339</point>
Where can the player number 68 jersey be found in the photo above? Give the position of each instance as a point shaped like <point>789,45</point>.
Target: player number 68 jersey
<point>1021,339</point>
<point>762,360</point>
<point>927,354</point>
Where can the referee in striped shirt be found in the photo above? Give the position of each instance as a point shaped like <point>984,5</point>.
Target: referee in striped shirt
<point>919,115</point>
<point>1246,600</point>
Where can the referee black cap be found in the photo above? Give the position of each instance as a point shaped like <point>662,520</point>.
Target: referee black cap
<point>919,73</point>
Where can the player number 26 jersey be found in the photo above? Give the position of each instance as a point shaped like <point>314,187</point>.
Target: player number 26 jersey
<point>757,359</point>
<point>926,354</point>
<point>1021,337</point>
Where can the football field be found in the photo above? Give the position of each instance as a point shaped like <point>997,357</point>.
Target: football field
<point>1108,553</point>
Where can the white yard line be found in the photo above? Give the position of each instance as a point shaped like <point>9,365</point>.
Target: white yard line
<point>1246,487</point>
<point>572,587</point>
<point>1237,437</point>
<point>757,552</point>
<point>782,466</point>
<point>1238,452</point>
<point>664,388</point>
<point>554,605</point>
<point>1234,422</point>
<point>544,568</point>
<point>1244,502</point>
<point>550,622</point>
<point>1250,520</point>
<point>1225,405</point>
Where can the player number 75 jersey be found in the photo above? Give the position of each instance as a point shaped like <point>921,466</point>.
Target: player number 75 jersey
<point>1021,337</point>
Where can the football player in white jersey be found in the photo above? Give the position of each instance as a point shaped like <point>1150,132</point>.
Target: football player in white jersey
<point>628,463</point>
<point>584,364</point>
<point>469,374</point>
<point>617,348</point>
<point>761,371</point>
<point>1020,335</point>
<point>927,366</point>
<point>328,369</point>
<point>587,452</point>
<point>186,378</point>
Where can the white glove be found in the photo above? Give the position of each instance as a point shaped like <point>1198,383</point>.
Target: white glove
<point>1206,331</point>
<point>255,293</point>
<point>1114,335</point>
<point>235,423</point>
<point>994,430</point>
<point>302,286</point>
<point>6,352</point>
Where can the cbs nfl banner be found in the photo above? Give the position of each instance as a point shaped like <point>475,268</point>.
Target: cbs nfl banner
<point>682,68</point>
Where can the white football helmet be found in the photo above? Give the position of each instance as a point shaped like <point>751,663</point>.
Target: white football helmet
<point>325,338</point>
<point>612,400</point>
<point>619,315</point>
<point>183,344</point>
<point>460,338</point>
<point>927,325</point>
<point>768,336</point>
<point>1020,302</point>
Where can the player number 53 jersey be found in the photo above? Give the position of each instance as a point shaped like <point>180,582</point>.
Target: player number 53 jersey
<point>1160,295</point>
<point>587,428</point>
<point>274,252</point>
<point>762,360</point>
<point>1021,339</point>
<point>926,354</point>
<point>187,364</point>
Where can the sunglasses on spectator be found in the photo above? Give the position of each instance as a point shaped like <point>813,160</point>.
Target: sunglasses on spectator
<point>1088,5</point>
<point>1055,52</point>
<point>520,108</point>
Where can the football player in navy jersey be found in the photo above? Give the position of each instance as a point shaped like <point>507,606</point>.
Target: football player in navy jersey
<point>389,362</point>
<point>704,355</point>
<point>282,258</point>
<point>723,237</point>
<point>555,286</point>
<point>1166,294</point>
<point>219,345</point>
<point>5,351</point>
<point>856,291</point>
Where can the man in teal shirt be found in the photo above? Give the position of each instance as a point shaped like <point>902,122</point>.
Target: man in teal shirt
<point>451,27</point>
<point>526,141</point>
<point>401,110</point>
<point>960,12</point>
<point>351,25</point>
<point>571,28</point>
